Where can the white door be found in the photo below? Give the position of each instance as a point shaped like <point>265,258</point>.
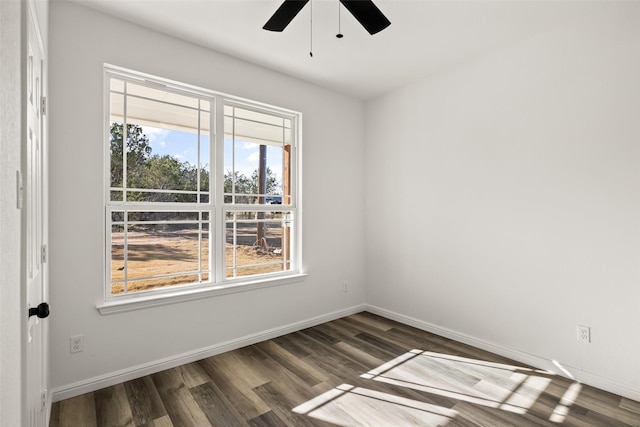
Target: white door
<point>34,229</point>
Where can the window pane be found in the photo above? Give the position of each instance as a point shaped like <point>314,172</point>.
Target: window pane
<point>167,144</point>
<point>117,85</point>
<point>148,284</point>
<point>256,243</point>
<point>163,216</point>
<point>162,248</point>
<point>205,167</point>
<point>204,251</point>
<point>116,196</point>
<point>117,217</point>
<point>116,156</point>
<point>161,158</point>
<point>117,258</point>
<point>257,158</point>
<point>162,115</point>
<point>161,196</point>
<point>145,92</point>
<point>262,133</point>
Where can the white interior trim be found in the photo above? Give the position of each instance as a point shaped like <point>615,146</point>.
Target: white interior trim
<point>117,377</point>
<point>172,296</point>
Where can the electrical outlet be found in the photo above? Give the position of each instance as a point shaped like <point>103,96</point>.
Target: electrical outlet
<point>77,343</point>
<point>345,286</point>
<point>584,333</point>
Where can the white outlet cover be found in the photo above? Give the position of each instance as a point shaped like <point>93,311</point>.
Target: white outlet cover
<point>584,333</point>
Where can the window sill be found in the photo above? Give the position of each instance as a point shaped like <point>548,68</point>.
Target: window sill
<point>145,301</point>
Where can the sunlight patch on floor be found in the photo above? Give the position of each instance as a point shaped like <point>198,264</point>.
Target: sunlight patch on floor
<point>569,398</point>
<point>499,386</point>
<point>510,388</point>
<point>347,405</point>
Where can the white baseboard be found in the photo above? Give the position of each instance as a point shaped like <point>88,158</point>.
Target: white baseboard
<point>106,380</point>
<point>576,374</point>
<point>112,378</point>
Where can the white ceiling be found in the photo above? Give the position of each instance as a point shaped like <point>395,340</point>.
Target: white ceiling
<point>425,36</point>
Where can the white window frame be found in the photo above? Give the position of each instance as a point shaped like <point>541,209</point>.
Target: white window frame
<point>218,284</point>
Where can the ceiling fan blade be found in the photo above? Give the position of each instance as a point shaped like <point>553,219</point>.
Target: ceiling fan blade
<point>284,15</point>
<point>367,14</point>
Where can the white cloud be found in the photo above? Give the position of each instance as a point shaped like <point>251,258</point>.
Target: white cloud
<point>155,133</point>
<point>254,157</point>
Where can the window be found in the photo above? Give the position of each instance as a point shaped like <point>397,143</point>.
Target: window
<point>258,207</point>
<point>188,208</point>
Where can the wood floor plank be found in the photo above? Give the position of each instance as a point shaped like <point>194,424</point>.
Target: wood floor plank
<point>414,340</point>
<point>78,411</point>
<point>359,355</point>
<point>354,341</point>
<point>279,400</point>
<point>598,419</point>
<point>337,330</point>
<point>159,422</point>
<point>328,357</point>
<point>270,419</point>
<point>373,320</point>
<point>298,367</point>
<point>238,391</point>
<point>178,401</point>
<point>486,416</point>
<point>54,417</point>
<point>145,402</point>
<point>294,388</point>
<point>163,422</point>
<point>361,325</point>
<point>293,345</point>
<point>112,407</point>
<point>358,370</point>
<point>239,367</point>
<point>216,406</point>
<point>542,405</point>
<point>192,375</point>
<point>606,404</point>
<point>383,348</point>
<point>320,336</point>
<point>630,405</point>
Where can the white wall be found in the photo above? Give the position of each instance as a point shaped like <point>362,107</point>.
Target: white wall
<point>81,41</point>
<point>503,200</point>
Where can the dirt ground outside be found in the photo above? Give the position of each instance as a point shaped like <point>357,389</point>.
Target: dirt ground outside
<point>153,253</point>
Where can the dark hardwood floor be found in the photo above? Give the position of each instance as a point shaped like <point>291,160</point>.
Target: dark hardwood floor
<point>361,370</point>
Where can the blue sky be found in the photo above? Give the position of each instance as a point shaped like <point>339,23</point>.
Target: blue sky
<point>184,147</point>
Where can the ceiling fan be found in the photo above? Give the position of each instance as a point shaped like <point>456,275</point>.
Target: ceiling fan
<point>364,11</point>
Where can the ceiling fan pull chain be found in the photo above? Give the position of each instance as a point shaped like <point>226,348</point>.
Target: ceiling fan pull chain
<point>311,29</point>
<point>339,35</point>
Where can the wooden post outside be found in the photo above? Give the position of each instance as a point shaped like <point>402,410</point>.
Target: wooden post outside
<point>286,200</point>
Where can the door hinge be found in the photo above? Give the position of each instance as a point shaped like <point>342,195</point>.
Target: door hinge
<point>44,105</point>
<point>44,253</point>
<point>19,190</point>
